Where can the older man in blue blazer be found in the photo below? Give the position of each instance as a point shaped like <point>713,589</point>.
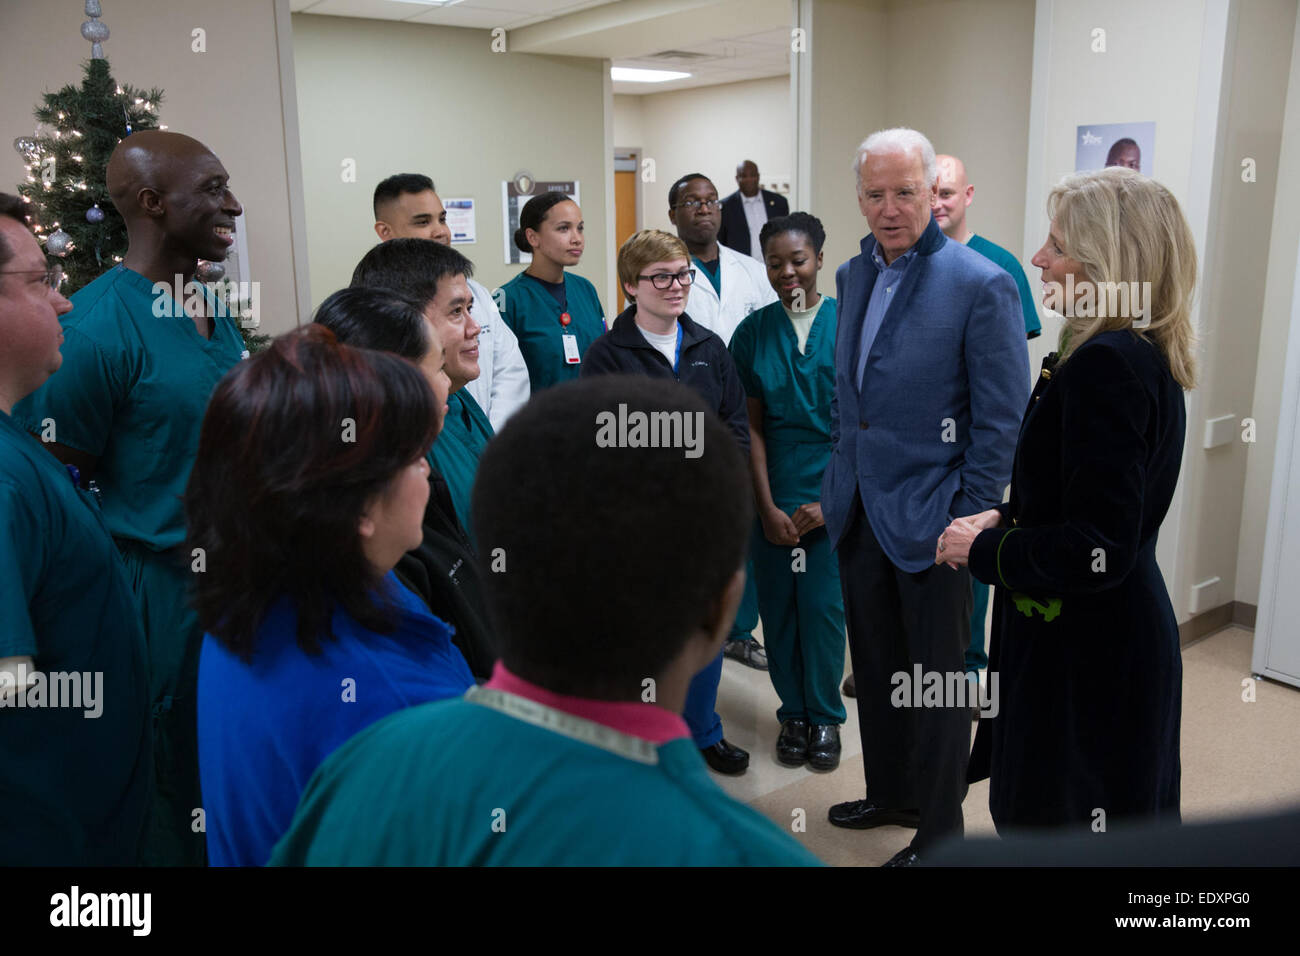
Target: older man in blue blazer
<point>931,380</point>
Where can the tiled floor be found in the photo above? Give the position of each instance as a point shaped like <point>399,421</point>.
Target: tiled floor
<point>1237,757</point>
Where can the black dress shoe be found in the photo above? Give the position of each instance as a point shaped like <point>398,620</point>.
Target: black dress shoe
<point>824,747</point>
<point>748,651</point>
<point>792,744</point>
<point>863,815</point>
<point>726,758</point>
<point>849,689</point>
<point>904,857</point>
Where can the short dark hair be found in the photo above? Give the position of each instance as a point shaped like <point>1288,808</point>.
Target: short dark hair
<point>14,208</point>
<point>800,222</point>
<point>379,319</point>
<point>600,589</point>
<point>413,267</point>
<point>278,489</point>
<point>676,187</point>
<point>394,186</point>
<point>534,214</point>
<point>1117,147</point>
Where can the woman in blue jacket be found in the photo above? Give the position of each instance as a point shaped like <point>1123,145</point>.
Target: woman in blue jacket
<point>309,486</point>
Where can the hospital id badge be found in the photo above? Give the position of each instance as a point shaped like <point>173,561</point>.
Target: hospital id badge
<point>571,356</point>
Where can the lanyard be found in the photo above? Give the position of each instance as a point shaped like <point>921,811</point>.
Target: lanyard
<point>677,356</point>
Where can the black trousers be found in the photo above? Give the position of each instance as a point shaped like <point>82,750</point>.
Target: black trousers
<point>914,757</point>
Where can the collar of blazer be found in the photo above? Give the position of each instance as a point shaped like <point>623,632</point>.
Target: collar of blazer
<point>931,241</point>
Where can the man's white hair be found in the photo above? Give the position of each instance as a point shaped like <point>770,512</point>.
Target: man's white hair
<point>900,139</point>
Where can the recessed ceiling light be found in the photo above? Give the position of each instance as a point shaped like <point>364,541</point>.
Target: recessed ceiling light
<point>624,74</point>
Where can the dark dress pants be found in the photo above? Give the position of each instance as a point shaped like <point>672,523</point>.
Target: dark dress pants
<point>913,757</point>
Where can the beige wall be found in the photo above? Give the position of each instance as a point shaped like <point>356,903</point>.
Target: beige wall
<point>1280,258</point>
<point>707,130</point>
<point>848,70</point>
<point>404,97</point>
<point>229,98</point>
<point>1254,107</point>
<point>957,71</point>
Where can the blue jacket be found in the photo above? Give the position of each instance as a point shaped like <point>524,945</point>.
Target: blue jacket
<point>932,435</point>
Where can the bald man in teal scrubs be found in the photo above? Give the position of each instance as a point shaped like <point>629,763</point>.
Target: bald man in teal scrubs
<point>126,409</point>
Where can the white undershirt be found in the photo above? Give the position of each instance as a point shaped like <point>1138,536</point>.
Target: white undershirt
<point>664,343</point>
<point>755,217</point>
<point>803,321</point>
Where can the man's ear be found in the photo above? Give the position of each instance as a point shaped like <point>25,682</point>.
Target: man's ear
<point>629,290</point>
<point>366,526</point>
<point>384,231</point>
<point>672,215</point>
<point>151,201</point>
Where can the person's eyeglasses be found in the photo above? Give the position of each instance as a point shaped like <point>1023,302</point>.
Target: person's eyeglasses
<point>695,204</point>
<point>664,280</point>
<point>53,277</point>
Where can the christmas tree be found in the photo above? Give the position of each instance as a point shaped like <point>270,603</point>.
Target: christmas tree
<point>70,209</point>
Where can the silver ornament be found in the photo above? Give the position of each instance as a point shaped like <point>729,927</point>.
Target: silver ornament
<point>58,243</point>
<point>208,271</point>
<point>96,31</point>
<point>92,8</point>
<point>94,214</point>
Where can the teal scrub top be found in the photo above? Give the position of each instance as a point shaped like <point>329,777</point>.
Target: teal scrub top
<point>135,382</point>
<point>551,789</point>
<point>995,253</point>
<point>74,784</point>
<point>534,316</point>
<point>712,271</point>
<point>796,390</point>
<point>457,450</point>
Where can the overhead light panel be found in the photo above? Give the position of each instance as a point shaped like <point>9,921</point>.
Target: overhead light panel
<point>622,74</point>
<point>431,3</point>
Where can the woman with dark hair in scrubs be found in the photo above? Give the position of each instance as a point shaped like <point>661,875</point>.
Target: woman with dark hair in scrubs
<point>555,315</point>
<point>309,486</point>
<point>785,354</point>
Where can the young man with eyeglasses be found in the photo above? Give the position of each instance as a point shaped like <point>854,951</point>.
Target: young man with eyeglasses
<point>73,791</point>
<point>731,286</point>
<point>655,336</point>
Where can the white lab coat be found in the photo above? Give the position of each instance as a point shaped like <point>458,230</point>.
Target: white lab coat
<point>501,388</point>
<point>744,289</point>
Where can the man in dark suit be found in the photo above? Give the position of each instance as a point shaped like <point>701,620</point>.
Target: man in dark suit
<point>931,378</point>
<point>745,211</point>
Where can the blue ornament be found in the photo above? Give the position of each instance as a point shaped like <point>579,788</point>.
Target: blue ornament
<point>94,214</point>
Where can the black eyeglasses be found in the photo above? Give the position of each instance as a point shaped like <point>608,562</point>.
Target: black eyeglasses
<point>53,277</point>
<point>700,203</point>
<point>664,280</point>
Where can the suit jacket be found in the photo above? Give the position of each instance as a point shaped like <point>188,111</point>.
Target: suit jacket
<point>932,432</point>
<point>734,232</point>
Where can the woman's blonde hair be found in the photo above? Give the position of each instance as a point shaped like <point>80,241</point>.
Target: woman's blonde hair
<point>1125,228</point>
<point>643,248</point>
